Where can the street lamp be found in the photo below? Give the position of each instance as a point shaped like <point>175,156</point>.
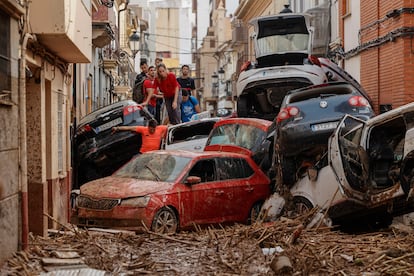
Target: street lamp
<point>221,74</point>
<point>215,79</point>
<point>134,43</point>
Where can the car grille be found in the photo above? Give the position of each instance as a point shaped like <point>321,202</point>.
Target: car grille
<point>97,204</point>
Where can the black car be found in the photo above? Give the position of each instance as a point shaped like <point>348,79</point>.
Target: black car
<point>307,118</point>
<point>97,151</point>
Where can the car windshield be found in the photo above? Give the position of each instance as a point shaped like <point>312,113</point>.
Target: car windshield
<point>154,166</point>
<point>282,44</point>
<point>246,136</point>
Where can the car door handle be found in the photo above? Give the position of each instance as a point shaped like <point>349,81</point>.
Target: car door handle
<point>249,189</point>
<point>197,147</point>
<point>219,192</point>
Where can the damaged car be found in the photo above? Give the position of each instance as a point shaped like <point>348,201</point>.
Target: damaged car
<point>307,118</point>
<point>283,45</point>
<point>368,174</point>
<point>249,134</point>
<point>97,151</point>
<point>166,191</point>
<point>190,135</point>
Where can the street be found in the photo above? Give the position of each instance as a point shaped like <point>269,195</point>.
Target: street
<point>283,247</point>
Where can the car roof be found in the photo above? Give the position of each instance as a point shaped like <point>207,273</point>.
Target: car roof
<point>200,154</point>
<point>259,123</point>
<point>91,116</point>
<point>202,120</point>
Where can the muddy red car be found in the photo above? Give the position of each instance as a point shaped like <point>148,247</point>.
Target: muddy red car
<point>166,191</point>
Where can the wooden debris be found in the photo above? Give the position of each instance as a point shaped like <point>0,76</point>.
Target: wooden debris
<point>226,250</point>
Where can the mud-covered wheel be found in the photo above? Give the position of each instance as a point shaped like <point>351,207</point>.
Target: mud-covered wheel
<point>302,205</point>
<point>254,214</point>
<point>165,221</point>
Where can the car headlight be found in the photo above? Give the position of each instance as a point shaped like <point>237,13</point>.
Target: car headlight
<point>141,201</point>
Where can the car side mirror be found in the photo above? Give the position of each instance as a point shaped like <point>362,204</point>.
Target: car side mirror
<point>193,180</point>
<point>312,173</point>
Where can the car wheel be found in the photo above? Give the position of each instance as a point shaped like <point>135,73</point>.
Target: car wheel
<point>165,221</point>
<point>302,205</point>
<point>254,214</point>
<point>288,168</point>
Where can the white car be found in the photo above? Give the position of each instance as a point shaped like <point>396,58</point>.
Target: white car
<point>191,135</point>
<point>283,46</point>
<point>369,170</point>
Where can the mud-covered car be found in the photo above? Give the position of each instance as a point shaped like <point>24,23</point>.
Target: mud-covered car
<point>307,117</point>
<point>97,151</point>
<point>166,191</point>
<point>368,174</point>
<point>190,135</point>
<point>249,134</point>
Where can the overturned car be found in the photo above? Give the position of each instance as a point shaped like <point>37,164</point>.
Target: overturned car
<point>368,173</point>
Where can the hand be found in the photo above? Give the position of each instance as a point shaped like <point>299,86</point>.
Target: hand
<point>114,129</point>
<point>174,105</point>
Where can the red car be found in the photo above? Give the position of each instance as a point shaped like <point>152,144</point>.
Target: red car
<point>251,134</point>
<point>170,190</point>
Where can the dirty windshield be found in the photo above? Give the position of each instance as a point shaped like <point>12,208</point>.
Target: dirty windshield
<point>245,136</point>
<point>156,167</point>
<point>283,44</point>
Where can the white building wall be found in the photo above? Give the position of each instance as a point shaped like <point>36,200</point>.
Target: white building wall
<point>351,27</point>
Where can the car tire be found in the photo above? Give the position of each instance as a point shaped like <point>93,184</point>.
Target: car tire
<point>254,214</point>
<point>165,221</point>
<point>302,205</point>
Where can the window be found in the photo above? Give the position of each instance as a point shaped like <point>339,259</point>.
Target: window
<point>205,169</point>
<point>233,168</point>
<point>5,67</point>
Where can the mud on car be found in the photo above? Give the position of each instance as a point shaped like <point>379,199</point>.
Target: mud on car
<point>369,171</point>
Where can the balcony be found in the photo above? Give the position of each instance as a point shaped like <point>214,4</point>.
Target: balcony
<point>67,31</point>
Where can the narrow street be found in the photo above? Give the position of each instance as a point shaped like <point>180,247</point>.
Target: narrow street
<point>278,248</point>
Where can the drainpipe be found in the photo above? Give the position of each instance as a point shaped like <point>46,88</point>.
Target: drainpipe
<point>23,141</point>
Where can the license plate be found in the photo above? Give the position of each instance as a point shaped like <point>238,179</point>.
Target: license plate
<point>324,126</point>
<point>108,125</point>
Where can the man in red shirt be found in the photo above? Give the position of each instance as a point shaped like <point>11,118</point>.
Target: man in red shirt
<point>168,85</point>
<point>150,91</point>
<point>151,135</point>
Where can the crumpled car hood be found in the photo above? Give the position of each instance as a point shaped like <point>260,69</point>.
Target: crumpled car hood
<point>118,187</point>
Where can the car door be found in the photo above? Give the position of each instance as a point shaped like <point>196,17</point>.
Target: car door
<point>356,151</point>
<point>210,196</point>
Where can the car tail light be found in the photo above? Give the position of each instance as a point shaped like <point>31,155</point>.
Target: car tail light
<point>315,60</point>
<point>84,129</point>
<point>131,109</point>
<point>245,66</point>
<point>286,113</point>
<point>358,101</point>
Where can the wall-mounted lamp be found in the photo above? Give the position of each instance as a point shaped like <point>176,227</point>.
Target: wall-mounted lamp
<point>215,79</point>
<point>221,74</point>
<point>134,43</point>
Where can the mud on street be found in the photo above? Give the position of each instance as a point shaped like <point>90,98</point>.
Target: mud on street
<point>284,247</point>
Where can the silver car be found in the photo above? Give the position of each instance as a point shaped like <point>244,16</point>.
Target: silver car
<point>369,170</point>
<point>190,135</point>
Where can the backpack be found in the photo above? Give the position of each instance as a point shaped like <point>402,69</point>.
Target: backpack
<point>138,89</point>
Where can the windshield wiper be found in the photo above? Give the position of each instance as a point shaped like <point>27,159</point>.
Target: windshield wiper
<point>153,173</point>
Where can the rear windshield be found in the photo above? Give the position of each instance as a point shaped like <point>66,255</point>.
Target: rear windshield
<point>319,92</point>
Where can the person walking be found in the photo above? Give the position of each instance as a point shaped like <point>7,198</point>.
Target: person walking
<point>189,106</point>
<point>152,135</point>
<point>167,83</point>
<point>186,81</point>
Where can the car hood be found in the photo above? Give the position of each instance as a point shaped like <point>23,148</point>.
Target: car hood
<point>120,187</point>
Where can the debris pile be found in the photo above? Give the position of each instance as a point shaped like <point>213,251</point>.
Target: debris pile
<point>283,247</point>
